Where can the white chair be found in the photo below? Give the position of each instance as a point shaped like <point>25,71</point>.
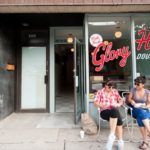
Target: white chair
<point>123,110</point>
<point>132,121</point>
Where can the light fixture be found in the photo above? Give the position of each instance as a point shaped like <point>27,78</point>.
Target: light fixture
<point>10,67</point>
<point>118,34</point>
<point>70,38</point>
<point>72,49</point>
<point>25,24</point>
<point>106,42</point>
<point>110,23</point>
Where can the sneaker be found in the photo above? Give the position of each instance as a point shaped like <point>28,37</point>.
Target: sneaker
<point>120,145</point>
<point>110,142</point>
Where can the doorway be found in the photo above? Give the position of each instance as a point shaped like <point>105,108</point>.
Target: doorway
<point>64,83</point>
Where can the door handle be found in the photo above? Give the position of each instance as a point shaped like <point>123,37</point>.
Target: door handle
<point>76,81</point>
<point>46,79</point>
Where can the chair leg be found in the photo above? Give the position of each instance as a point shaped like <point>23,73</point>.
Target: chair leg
<point>98,133</point>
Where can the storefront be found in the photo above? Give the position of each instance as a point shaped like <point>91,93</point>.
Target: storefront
<point>117,47</point>
<point>109,42</point>
<point>114,46</point>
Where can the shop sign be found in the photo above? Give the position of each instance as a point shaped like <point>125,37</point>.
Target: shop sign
<point>95,40</point>
<point>109,55</point>
<point>143,41</point>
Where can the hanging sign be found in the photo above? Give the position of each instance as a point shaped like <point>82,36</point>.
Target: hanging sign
<point>95,40</point>
<point>109,55</point>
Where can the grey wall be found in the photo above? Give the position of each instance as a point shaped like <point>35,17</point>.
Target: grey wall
<point>7,55</point>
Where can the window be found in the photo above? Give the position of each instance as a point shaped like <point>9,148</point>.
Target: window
<point>142,31</point>
<point>109,51</point>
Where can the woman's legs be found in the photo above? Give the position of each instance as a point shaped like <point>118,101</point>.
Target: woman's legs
<point>143,122</point>
<point>113,125</point>
<point>146,124</point>
<point>144,144</point>
<point>114,118</point>
<point>143,131</point>
<point>119,131</point>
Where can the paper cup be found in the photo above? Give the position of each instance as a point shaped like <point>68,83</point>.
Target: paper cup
<point>81,134</point>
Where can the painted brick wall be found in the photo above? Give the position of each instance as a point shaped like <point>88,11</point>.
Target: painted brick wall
<point>7,55</point>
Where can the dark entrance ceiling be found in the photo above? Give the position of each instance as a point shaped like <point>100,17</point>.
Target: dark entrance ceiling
<point>42,20</point>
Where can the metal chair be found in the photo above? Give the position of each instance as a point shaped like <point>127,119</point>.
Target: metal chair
<point>123,110</point>
<point>132,121</point>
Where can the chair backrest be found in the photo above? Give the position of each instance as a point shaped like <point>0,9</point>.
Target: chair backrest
<point>125,97</point>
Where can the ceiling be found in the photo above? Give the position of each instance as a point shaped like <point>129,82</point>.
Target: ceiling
<point>43,20</point>
<point>107,31</point>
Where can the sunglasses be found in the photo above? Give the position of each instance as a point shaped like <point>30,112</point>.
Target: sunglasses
<point>137,84</point>
<point>110,87</point>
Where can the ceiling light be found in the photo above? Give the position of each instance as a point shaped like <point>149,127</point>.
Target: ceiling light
<point>70,38</point>
<point>110,23</point>
<point>118,34</point>
<point>25,24</point>
<point>106,42</point>
<point>72,49</point>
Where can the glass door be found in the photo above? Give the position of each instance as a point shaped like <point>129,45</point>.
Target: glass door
<point>78,80</point>
<point>33,86</point>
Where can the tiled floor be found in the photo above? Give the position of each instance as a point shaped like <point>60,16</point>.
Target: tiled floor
<point>65,101</point>
<point>58,120</point>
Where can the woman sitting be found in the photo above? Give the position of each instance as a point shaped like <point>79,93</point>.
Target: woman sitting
<point>139,98</point>
<point>108,100</point>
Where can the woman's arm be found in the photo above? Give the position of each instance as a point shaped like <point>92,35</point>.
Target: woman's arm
<point>96,104</point>
<point>118,99</point>
<point>130,99</point>
<point>97,99</point>
<point>148,102</point>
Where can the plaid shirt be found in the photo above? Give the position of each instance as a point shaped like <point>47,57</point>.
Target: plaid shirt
<point>113,98</point>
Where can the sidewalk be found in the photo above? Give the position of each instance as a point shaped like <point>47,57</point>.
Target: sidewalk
<point>27,131</point>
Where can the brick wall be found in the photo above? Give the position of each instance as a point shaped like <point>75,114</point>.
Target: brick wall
<point>7,55</point>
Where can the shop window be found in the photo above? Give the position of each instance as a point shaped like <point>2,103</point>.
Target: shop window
<point>142,40</point>
<point>109,52</point>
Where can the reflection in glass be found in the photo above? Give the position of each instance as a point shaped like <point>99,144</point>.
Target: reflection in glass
<point>110,52</point>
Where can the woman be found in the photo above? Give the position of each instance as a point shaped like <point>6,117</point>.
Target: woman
<point>139,98</point>
<point>108,100</point>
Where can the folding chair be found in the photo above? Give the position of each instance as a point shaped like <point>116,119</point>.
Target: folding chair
<point>131,119</point>
<point>123,110</point>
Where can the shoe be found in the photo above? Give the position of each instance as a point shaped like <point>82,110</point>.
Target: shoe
<point>120,145</point>
<point>110,142</point>
<point>143,145</point>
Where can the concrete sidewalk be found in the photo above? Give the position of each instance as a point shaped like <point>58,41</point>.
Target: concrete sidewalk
<point>28,132</point>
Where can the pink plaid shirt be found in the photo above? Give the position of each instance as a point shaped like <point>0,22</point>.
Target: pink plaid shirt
<point>113,99</point>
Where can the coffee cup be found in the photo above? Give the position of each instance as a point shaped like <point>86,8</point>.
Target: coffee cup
<point>81,134</point>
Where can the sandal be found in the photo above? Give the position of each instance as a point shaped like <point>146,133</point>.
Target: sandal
<point>143,145</point>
